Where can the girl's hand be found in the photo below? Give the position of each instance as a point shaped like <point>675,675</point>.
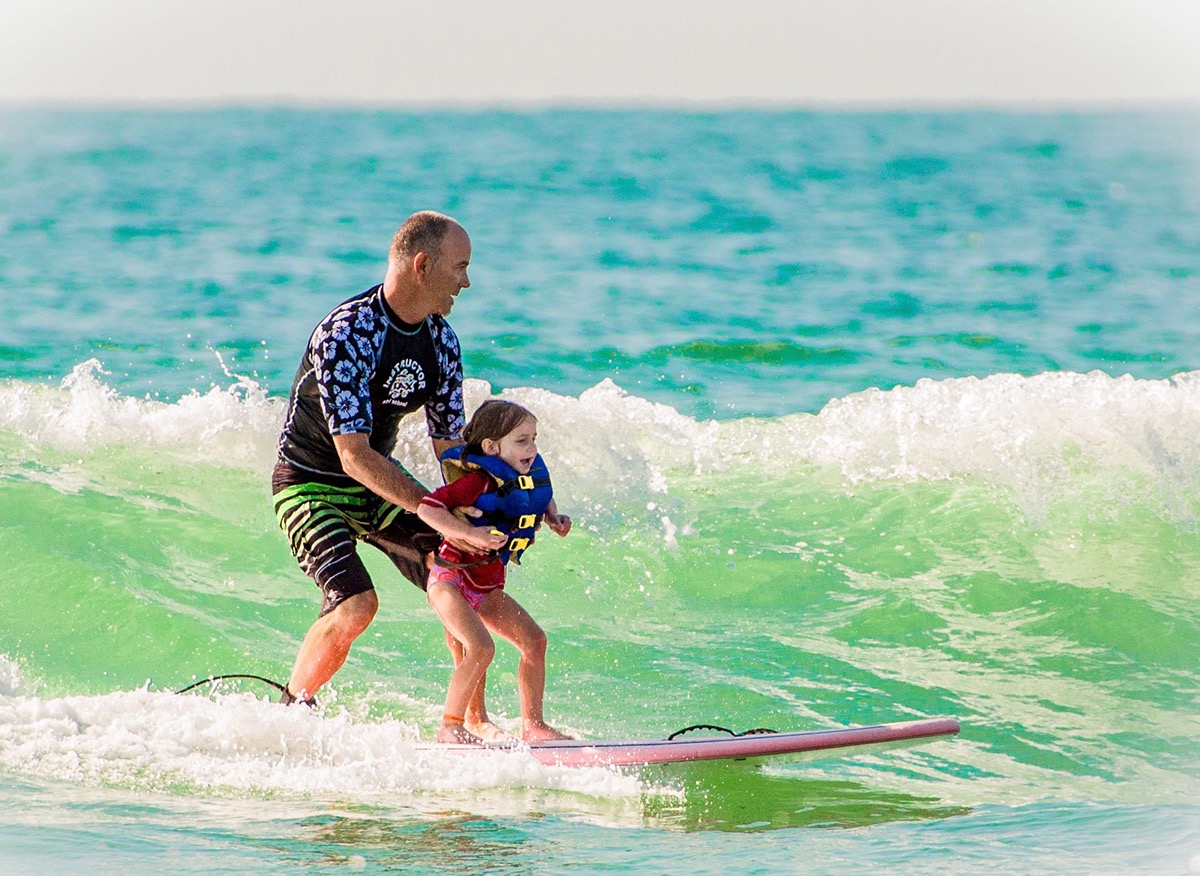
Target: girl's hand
<point>560,524</point>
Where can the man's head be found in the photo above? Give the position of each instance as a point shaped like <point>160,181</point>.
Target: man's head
<point>427,265</point>
<point>421,232</point>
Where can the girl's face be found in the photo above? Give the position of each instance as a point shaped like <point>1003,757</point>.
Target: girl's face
<point>518,448</point>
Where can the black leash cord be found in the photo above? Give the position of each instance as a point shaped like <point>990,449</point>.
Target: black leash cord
<point>213,678</point>
<point>754,732</point>
<point>283,689</point>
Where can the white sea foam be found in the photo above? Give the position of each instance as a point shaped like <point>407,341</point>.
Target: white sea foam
<point>1088,438</point>
<point>992,426</point>
<point>1002,429</point>
<point>236,426</point>
<point>236,743</point>
<point>1029,435</point>
<point>10,676</point>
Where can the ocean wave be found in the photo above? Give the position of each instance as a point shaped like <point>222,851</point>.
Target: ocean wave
<point>1118,440</point>
<point>1013,550</point>
<point>237,744</point>
<point>235,425</point>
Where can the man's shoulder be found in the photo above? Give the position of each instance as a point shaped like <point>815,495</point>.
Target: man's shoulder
<point>364,303</point>
<point>440,328</point>
<point>357,316</point>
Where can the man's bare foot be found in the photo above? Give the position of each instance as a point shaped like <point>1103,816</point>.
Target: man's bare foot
<point>454,733</point>
<point>532,732</point>
<point>490,733</point>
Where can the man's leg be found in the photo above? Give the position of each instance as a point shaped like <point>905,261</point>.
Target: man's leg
<point>328,641</point>
<point>320,522</point>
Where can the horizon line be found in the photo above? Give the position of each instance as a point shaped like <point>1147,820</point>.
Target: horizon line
<point>515,105</point>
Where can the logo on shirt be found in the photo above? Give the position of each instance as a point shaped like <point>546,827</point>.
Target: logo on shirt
<point>406,379</point>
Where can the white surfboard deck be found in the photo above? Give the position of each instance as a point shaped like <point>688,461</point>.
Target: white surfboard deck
<point>786,747</point>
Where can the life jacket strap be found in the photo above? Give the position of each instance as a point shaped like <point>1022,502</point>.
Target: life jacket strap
<point>439,560</point>
<point>521,482</point>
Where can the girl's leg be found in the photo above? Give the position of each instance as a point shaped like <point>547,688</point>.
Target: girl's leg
<point>466,628</point>
<point>477,720</point>
<point>505,616</point>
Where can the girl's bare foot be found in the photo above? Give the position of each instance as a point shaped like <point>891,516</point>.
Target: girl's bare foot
<point>532,732</point>
<point>488,732</point>
<point>454,733</point>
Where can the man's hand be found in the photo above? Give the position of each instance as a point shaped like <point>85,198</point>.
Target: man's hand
<point>465,512</point>
<point>484,539</point>
<point>460,533</point>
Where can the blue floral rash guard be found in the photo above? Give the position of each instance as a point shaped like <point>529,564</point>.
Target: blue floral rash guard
<point>363,371</point>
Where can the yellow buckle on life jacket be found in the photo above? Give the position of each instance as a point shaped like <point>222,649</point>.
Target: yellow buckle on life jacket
<point>524,482</point>
<point>517,545</point>
<point>527,521</point>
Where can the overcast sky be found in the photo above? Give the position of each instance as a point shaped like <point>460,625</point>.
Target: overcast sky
<point>540,51</point>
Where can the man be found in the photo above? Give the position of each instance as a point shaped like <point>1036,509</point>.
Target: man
<point>377,357</point>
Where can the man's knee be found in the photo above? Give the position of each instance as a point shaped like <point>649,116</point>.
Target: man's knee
<point>355,614</point>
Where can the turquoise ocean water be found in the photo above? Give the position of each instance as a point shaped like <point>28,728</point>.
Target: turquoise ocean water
<point>861,417</point>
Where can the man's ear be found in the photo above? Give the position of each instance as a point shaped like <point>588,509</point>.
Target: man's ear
<point>420,264</point>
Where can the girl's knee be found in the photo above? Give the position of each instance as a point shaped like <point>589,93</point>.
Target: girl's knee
<point>533,643</point>
<point>480,651</point>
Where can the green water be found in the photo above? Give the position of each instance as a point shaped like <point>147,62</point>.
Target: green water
<point>861,417</point>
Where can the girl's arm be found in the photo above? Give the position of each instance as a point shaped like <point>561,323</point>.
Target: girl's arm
<point>560,524</point>
<point>453,527</point>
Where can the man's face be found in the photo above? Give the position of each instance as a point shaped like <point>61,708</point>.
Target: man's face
<point>446,274</point>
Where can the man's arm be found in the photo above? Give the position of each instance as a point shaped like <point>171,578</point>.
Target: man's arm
<point>376,472</point>
<point>460,533</point>
<point>441,445</point>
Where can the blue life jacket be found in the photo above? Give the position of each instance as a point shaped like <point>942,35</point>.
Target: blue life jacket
<point>515,507</point>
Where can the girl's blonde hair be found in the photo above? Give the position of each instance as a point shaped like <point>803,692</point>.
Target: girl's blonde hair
<point>493,420</point>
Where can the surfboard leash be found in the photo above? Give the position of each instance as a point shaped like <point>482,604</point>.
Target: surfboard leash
<point>286,699</point>
<point>212,679</point>
<point>215,678</point>
<point>756,731</point>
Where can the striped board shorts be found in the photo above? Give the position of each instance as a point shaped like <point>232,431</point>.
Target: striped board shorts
<point>324,523</point>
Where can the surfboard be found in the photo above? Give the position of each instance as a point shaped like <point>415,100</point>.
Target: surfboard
<point>783,747</point>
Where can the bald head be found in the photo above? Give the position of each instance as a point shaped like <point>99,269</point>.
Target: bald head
<point>427,266</point>
<point>421,232</point>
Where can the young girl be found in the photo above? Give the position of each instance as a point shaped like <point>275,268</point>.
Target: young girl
<point>498,470</point>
